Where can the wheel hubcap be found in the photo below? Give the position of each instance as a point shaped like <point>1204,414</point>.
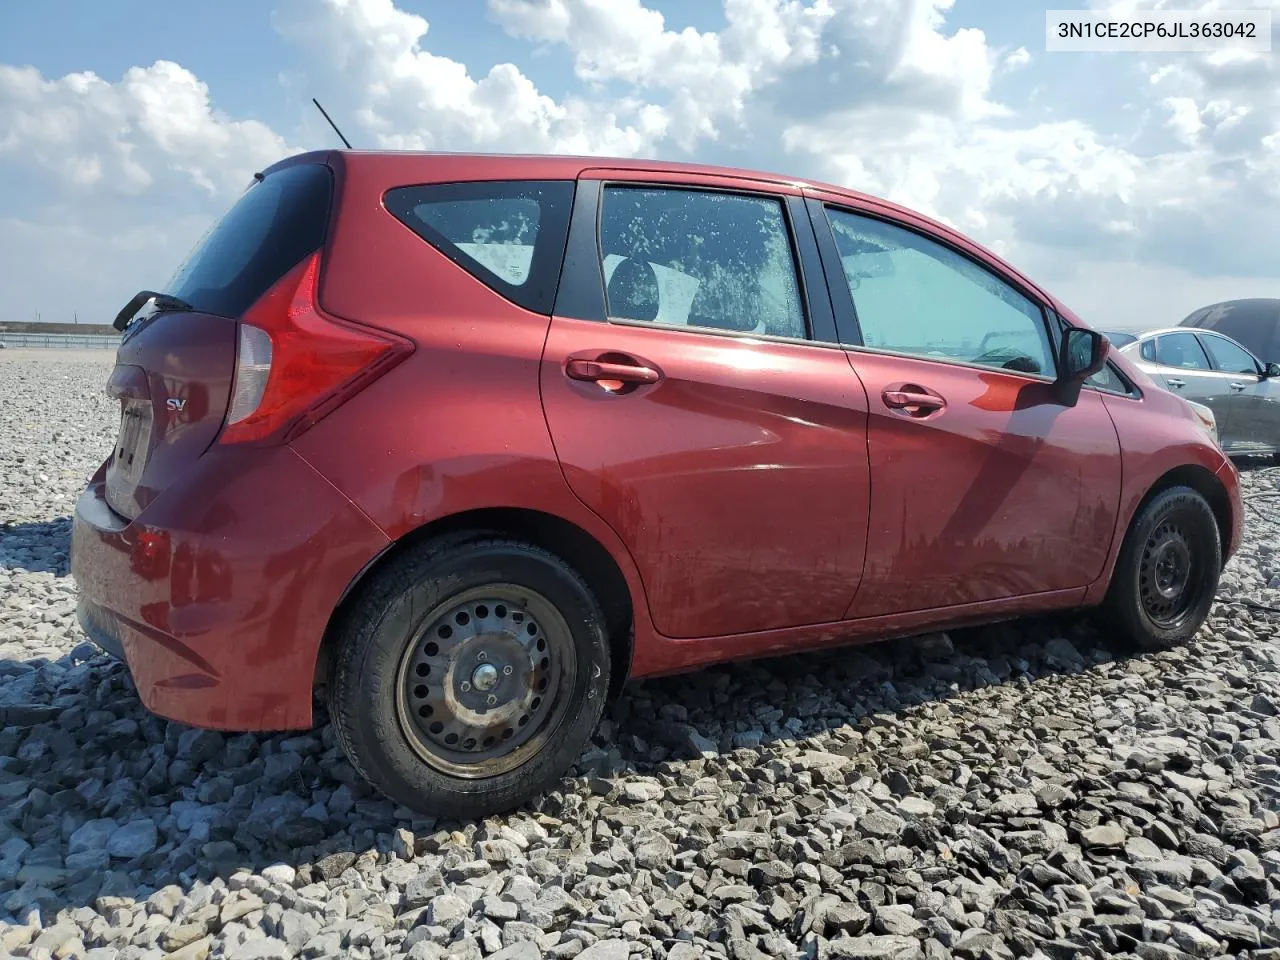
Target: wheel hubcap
<point>1166,575</point>
<point>485,677</point>
<point>480,684</point>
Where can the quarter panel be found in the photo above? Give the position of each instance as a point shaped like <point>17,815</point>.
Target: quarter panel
<point>457,426</point>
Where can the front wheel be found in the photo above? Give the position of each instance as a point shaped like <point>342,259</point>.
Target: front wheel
<point>1167,573</point>
<point>469,676</point>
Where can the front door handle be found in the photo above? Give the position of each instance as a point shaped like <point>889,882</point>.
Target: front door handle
<point>605,371</point>
<point>1238,387</point>
<point>1175,382</point>
<point>912,399</point>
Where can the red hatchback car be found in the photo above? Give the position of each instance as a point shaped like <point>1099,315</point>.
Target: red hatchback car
<point>467,441</point>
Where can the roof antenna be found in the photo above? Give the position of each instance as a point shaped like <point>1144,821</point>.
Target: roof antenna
<point>331,123</point>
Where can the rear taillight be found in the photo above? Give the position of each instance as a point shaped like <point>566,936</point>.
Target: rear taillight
<point>294,364</point>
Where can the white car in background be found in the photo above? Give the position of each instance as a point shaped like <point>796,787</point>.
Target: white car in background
<point>1211,369</point>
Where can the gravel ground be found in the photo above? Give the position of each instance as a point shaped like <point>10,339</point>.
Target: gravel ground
<point>1023,790</point>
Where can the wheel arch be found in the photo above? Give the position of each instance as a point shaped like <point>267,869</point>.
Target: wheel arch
<point>1204,482</point>
<point>563,538</point>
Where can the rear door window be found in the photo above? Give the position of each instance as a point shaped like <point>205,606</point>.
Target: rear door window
<point>509,234</point>
<point>276,222</point>
<point>700,258</point>
<point>1181,350</point>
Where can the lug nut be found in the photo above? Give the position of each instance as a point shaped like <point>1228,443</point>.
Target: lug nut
<point>492,699</point>
<point>506,671</point>
<point>466,686</point>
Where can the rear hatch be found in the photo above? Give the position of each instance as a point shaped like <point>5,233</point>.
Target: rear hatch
<point>178,367</point>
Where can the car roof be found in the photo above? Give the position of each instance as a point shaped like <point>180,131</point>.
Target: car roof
<point>576,163</point>
<point>1260,307</point>
<point>1157,331</point>
<point>485,166</point>
<point>572,165</point>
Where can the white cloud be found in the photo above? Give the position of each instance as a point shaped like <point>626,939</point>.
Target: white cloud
<point>1133,296</point>
<point>123,137</point>
<point>707,76</point>
<point>1017,59</point>
<point>894,97</point>
<point>406,97</point>
<point>1184,118</point>
<point>66,267</point>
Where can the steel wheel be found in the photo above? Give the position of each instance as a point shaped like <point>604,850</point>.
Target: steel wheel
<point>1168,575</point>
<point>481,683</point>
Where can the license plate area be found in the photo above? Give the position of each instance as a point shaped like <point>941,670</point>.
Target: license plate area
<point>129,458</point>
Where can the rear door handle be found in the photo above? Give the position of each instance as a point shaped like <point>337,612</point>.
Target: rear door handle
<point>910,396</point>
<point>1175,382</point>
<point>1239,387</point>
<point>605,370</point>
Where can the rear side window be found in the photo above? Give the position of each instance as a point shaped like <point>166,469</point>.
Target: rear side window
<point>509,234</point>
<point>276,222</point>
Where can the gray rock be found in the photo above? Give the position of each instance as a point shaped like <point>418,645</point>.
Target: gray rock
<point>280,873</point>
<point>524,950</point>
<point>447,910</point>
<point>916,807</point>
<point>265,948</point>
<point>606,950</point>
<point>1105,835</point>
<point>297,929</point>
<point>882,825</point>
<point>135,839</point>
<point>642,791</point>
<point>897,921</point>
<point>891,780</point>
<point>872,947</point>
<point>91,835</point>
<point>653,851</point>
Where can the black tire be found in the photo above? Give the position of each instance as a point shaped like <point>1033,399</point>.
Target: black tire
<point>386,720</point>
<point>1167,573</point>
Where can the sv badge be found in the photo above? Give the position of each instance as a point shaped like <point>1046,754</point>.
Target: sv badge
<point>175,404</point>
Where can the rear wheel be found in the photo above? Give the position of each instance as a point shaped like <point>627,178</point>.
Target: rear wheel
<point>469,676</point>
<point>1167,573</point>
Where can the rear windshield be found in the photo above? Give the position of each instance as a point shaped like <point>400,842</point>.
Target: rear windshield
<point>276,222</point>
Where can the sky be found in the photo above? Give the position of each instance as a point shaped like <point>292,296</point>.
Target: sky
<point>1137,187</point>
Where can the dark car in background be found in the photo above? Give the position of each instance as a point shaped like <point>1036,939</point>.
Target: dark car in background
<point>1119,339</point>
<point>1255,323</point>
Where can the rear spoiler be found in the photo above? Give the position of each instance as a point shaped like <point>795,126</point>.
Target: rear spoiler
<point>163,302</point>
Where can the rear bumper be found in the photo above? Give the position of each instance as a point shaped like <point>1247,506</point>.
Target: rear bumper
<point>218,594</point>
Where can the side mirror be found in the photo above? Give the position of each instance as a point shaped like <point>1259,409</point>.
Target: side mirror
<point>1082,354</point>
<point>1271,370</point>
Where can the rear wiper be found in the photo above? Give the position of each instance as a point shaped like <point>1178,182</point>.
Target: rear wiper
<point>163,302</point>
